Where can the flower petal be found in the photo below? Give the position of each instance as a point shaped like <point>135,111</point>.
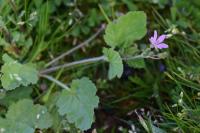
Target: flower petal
<point>155,34</point>
<point>152,40</point>
<point>162,46</point>
<point>161,39</point>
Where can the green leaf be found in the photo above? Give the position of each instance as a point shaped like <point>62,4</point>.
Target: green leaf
<point>15,95</point>
<point>54,113</point>
<point>9,126</point>
<point>131,5</point>
<point>25,117</point>
<point>130,51</point>
<point>116,65</point>
<point>79,103</point>
<point>16,74</point>
<point>143,123</point>
<point>136,63</point>
<point>163,55</point>
<point>149,127</point>
<point>127,29</point>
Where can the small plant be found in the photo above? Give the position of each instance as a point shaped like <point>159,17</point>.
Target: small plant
<point>76,103</point>
<point>99,66</point>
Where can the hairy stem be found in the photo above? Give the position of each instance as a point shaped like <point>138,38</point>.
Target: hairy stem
<point>47,95</point>
<point>77,47</point>
<point>56,81</point>
<point>92,60</point>
<point>84,61</point>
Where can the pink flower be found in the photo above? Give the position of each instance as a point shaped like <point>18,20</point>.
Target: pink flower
<point>157,42</point>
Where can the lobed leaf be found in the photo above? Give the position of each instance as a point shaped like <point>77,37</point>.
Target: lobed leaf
<point>116,65</point>
<point>127,29</point>
<point>79,103</point>
<point>25,117</point>
<point>15,95</point>
<point>16,74</point>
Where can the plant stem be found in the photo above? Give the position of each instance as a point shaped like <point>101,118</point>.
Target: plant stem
<point>85,61</point>
<point>90,60</point>
<point>56,81</point>
<point>133,57</point>
<point>46,96</point>
<point>77,47</point>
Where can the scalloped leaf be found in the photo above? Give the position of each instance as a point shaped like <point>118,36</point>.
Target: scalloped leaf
<point>9,126</point>
<point>115,63</point>
<point>126,29</point>
<point>16,95</point>
<point>25,117</point>
<point>79,103</point>
<point>16,74</point>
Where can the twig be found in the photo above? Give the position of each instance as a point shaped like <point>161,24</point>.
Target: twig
<point>85,61</point>
<point>77,47</point>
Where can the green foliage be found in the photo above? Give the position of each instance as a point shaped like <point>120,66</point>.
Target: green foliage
<point>78,104</point>
<point>15,95</point>
<point>8,126</point>
<point>192,10</point>
<point>149,127</point>
<point>137,63</point>
<point>16,74</point>
<point>115,63</point>
<point>134,51</point>
<point>24,116</point>
<point>37,31</point>
<point>127,29</point>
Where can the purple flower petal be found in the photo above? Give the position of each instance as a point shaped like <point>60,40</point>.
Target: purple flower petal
<point>162,45</point>
<point>161,39</point>
<point>152,40</point>
<point>157,42</point>
<point>155,35</point>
